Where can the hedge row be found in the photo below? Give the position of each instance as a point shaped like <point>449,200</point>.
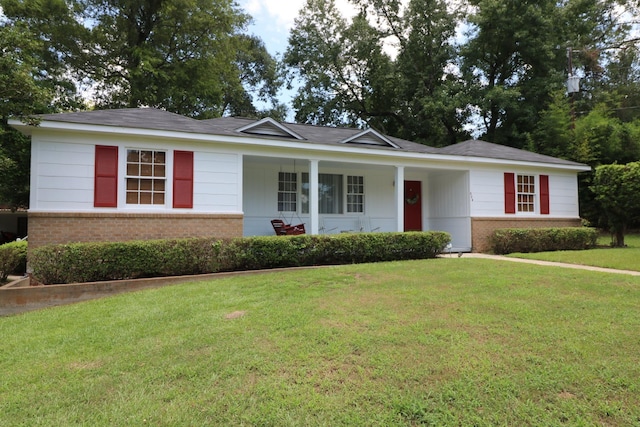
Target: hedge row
<point>90,262</point>
<point>13,259</point>
<point>509,240</point>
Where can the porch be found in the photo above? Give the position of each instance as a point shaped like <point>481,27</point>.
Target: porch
<point>331,196</point>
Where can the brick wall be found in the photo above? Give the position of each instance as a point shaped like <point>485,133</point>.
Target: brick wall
<point>482,228</point>
<point>66,227</point>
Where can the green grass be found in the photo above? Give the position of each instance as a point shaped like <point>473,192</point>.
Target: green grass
<point>620,258</point>
<point>437,342</point>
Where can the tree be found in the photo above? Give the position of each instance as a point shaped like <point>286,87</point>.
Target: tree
<point>350,77</point>
<point>23,92</point>
<point>186,56</point>
<point>617,191</point>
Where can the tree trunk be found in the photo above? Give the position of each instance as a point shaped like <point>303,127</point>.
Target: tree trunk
<point>620,237</point>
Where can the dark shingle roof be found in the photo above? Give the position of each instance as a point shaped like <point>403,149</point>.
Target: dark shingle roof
<point>154,119</point>
<point>477,148</point>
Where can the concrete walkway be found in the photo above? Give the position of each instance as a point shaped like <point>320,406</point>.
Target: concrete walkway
<point>550,263</point>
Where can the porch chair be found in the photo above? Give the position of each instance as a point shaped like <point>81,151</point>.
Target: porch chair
<point>365,225</point>
<point>323,228</point>
<point>283,229</point>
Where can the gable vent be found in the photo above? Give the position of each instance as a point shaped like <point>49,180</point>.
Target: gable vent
<point>269,127</point>
<point>370,137</point>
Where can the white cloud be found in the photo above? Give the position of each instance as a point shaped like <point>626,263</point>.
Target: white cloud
<point>283,14</point>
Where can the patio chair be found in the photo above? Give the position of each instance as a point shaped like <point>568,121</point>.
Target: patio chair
<point>283,229</point>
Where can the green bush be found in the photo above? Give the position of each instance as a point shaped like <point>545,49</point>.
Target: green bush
<point>509,240</point>
<point>13,259</point>
<point>90,262</point>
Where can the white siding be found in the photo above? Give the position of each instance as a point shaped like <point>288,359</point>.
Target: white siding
<point>563,195</point>
<point>63,174</point>
<point>216,182</point>
<point>448,207</point>
<point>487,193</point>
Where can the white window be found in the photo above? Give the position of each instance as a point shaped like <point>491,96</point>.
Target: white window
<point>146,177</point>
<point>526,193</point>
<point>330,193</point>
<point>287,191</point>
<point>355,194</point>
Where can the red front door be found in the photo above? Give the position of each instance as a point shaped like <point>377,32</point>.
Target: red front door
<point>412,206</point>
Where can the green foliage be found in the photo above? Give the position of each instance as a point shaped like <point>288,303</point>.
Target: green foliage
<point>13,259</point>
<point>90,262</point>
<point>190,57</point>
<point>617,192</point>
<point>348,78</point>
<point>508,240</point>
<point>303,250</point>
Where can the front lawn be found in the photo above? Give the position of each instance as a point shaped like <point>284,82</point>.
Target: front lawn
<point>451,341</point>
<point>621,258</point>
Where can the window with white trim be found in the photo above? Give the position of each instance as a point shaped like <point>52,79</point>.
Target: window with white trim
<point>146,177</point>
<point>355,193</point>
<point>331,193</point>
<point>287,191</point>
<point>526,193</point>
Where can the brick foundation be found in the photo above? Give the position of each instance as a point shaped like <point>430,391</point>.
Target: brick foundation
<point>482,228</point>
<point>47,228</point>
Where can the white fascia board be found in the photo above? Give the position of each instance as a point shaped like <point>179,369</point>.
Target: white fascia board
<point>385,156</point>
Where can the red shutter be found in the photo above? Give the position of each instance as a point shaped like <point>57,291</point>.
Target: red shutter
<point>183,179</point>
<point>509,193</point>
<point>105,189</point>
<point>544,194</point>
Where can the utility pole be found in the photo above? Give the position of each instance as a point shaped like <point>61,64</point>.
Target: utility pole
<point>573,85</point>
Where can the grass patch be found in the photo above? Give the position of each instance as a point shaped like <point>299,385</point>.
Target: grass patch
<point>620,258</point>
<point>433,342</point>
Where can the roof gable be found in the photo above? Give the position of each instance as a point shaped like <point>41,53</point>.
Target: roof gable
<point>370,137</point>
<point>269,127</point>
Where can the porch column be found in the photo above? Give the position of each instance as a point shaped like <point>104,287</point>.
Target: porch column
<point>399,197</point>
<point>313,196</point>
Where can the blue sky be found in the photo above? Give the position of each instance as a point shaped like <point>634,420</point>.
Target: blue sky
<point>272,21</point>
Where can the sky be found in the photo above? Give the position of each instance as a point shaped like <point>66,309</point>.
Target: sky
<point>274,18</point>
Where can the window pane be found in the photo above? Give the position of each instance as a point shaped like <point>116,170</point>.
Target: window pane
<point>304,197</point>
<point>145,185</point>
<point>526,190</point>
<point>133,169</point>
<point>146,163</point>
<point>287,191</point>
<point>132,197</point>
<point>133,156</point>
<point>330,193</point>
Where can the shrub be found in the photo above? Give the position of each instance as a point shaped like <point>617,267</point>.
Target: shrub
<point>89,262</point>
<point>13,259</point>
<point>508,240</point>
